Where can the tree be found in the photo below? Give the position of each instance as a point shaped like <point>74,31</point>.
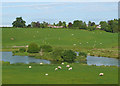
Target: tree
<point>22,49</point>
<point>69,25</point>
<point>19,22</point>
<point>69,56</point>
<point>46,48</point>
<point>33,48</point>
<point>60,23</point>
<point>29,25</point>
<point>64,24</point>
<point>93,23</point>
<point>89,23</point>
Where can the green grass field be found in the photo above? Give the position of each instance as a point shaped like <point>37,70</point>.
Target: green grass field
<point>80,74</point>
<point>94,42</point>
<point>59,37</point>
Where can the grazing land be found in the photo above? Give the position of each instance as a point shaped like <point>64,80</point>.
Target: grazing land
<point>97,43</point>
<point>21,74</point>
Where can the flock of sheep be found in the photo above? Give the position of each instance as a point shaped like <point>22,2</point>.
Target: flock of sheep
<point>68,66</point>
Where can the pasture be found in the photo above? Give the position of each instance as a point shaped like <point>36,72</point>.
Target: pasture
<point>80,74</point>
<point>94,42</point>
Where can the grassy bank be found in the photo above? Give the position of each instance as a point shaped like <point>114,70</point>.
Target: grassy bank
<point>21,74</point>
<point>97,43</point>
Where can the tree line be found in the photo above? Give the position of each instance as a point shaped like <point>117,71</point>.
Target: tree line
<point>109,26</point>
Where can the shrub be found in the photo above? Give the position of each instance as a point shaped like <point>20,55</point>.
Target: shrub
<point>57,53</point>
<point>22,49</point>
<point>33,48</point>
<point>46,48</point>
<point>15,51</point>
<point>83,54</point>
<point>69,56</point>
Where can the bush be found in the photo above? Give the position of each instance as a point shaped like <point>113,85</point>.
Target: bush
<point>33,48</point>
<point>83,54</point>
<point>69,56</point>
<point>15,51</point>
<point>22,49</point>
<point>57,53</point>
<point>46,48</point>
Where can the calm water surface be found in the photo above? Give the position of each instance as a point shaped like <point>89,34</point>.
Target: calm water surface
<point>91,60</point>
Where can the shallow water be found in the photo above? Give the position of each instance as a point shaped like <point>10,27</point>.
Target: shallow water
<point>91,60</point>
<point>7,57</point>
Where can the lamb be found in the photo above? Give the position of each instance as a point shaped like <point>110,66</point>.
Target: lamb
<point>59,67</point>
<point>46,74</point>
<point>101,74</point>
<point>68,66</point>
<point>56,68</point>
<point>30,66</point>
<point>41,63</point>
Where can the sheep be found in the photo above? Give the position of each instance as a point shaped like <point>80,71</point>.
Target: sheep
<point>46,74</point>
<point>68,66</point>
<point>62,63</point>
<point>86,42</point>
<point>74,44</point>
<point>59,67</point>
<point>41,63</point>
<point>80,43</point>
<point>30,66</point>
<point>72,34</point>
<point>100,43</point>
<point>101,74</point>
<point>56,68</point>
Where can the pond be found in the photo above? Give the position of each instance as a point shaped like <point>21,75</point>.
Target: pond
<point>91,60</point>
<point>7,57</point>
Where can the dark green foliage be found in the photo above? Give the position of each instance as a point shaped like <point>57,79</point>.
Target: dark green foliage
<point>33,48</point>
<point>57,54</point>
<point>91,28</point>
<point>19,22</point>
<point>46,48</point>
<point>15,51</point>
<point>69,56</point>
<point>23,49</point>
<point>83,54</point>
<point>79,24</point>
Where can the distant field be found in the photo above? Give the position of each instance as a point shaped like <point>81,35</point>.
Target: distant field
<point>16,74</point>
<point>59,37</point>
<point>67,38</point>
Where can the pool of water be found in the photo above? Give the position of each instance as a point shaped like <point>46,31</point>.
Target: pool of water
<point>7,57</point>
<point>91,60</point>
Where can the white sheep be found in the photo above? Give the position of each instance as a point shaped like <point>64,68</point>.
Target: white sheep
<point>101,74</point>
<point>59,67</point>
<point>56,68</point>
<point>68,66</point>
<point>74,44</point>
<point>41,63</point>
<point>30,66</point>
<point>72,34</point>
<point>46,74</point>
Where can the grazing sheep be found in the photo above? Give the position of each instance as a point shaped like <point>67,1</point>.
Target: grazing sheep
<point>59,67</point>
<point>72,34</point>
<point>101,74</point>
<point>68,66</point>
<point>74,44</point>
<point>80,43</point>
<point>56,68</point>
<point>30,66</point>
<point>11,38</point>
<point>100,43</point>
<point>41,63</point>
<point>46,74</point>
<point>62,63</point>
